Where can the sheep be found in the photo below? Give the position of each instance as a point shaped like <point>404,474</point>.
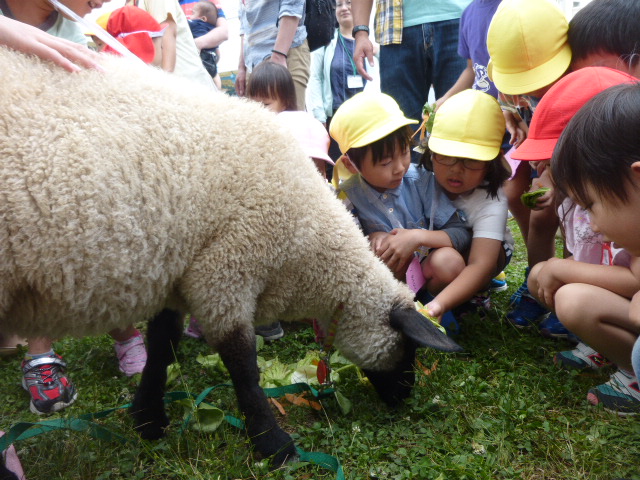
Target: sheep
<point>130,194</point>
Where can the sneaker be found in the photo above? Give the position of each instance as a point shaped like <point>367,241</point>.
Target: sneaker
<point>620,394</point>
<point>499,283</point>
<point>551,327</point>
<point>45,381</point>
<point>521,291</point>
<point>581,358</point>
<point>132,356</point>
<point>193,329</point>
<point>272,331</point>
<point>527,312</point>
<point>482,300</point>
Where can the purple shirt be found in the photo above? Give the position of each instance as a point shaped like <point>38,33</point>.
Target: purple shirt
<point>472,43</point>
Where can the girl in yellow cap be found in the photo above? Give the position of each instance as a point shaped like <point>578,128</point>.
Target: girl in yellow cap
<point>465,156</point>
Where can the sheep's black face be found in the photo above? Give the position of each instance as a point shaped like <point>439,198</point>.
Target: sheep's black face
<point>395,385</point>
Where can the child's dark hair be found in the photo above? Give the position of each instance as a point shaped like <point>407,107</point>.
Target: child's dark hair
<point>598,146</point>
<point>607,26</point>
<point>209,10</point>
<point>384,147</point>
<point>495,175</point>
<point>272,80</point>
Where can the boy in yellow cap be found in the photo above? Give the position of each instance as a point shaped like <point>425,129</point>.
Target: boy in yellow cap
<point>399,206</point>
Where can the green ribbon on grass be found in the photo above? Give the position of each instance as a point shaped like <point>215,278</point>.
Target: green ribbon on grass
<point>84,423</point>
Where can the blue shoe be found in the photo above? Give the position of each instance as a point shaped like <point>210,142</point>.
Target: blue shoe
<point>499,283</point>
<point>450,323</point>
<point>551,327</point>
<point>526,313</point>
<point>522,290</point>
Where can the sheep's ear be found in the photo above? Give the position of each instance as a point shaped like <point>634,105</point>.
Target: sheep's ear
<point>421,330</point>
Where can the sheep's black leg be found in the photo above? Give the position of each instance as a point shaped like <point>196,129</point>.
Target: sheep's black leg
<point>238,352</point>
<point>163,334</point>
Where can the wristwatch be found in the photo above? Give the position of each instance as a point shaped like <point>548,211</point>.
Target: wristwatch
<point>359,28</point>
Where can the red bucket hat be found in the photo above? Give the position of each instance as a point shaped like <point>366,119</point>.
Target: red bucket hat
<point>560,104</point>
<point>134,27</point>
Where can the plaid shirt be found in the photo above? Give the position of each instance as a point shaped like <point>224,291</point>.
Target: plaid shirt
<point>388,22</point>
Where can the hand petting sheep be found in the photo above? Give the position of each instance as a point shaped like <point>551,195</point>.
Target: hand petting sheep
<point>130,194</point>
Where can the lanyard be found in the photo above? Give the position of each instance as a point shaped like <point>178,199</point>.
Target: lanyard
<point>346,51</point>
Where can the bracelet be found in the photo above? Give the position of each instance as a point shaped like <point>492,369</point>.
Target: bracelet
<point>279,53</point>
<point>359,28</point>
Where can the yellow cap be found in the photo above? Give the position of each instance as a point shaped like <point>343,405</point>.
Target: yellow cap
<point>365,118</point>
<point>102,21</point>
<point>528,45</point>
<point>469,124</point>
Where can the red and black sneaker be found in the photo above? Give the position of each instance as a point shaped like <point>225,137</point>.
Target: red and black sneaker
<point>45,381</point>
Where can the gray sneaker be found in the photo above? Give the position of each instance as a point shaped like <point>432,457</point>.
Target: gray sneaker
<point>272,331</point>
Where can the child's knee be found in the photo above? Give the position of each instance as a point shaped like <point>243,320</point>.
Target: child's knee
<point>569,303</point>
<point>532,281</point>
<point>443,265</point>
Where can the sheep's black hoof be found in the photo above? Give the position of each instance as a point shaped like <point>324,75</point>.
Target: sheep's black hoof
<point>150,423</point>
<point>276,445</point>
<point>5,473</point>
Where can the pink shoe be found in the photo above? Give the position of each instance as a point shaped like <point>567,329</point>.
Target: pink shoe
<point>193,329</point>
<point>132,355</point>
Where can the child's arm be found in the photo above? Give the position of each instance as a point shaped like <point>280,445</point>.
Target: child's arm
<point>558,272</point>
<point>465,80</point>
<point>483,259</point>
<point>397,248</point>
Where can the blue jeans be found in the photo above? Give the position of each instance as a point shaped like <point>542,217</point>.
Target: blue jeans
<point>428,55</point>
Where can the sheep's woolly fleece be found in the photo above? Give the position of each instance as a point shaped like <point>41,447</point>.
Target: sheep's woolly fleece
<point>127,191</point>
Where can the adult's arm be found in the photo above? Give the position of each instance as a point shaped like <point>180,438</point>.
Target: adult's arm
<point>216,36</point>
<point>30,40</point>
<point>169,41</point>
<point>361,12</point>
<point>287,27</point>
<point>241,77</point>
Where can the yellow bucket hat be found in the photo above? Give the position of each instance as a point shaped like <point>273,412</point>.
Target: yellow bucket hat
<point>528,45</point>
<point>469,124</point>
<point>365,118</point>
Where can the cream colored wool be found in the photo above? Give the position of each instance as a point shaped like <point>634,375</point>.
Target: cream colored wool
<point>127,191</point>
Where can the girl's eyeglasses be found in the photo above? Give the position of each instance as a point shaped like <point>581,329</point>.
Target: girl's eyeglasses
<point>466,162</point>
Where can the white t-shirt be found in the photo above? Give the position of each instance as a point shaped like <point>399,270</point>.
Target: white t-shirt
<point>188,63</point>
<point>485,215</point>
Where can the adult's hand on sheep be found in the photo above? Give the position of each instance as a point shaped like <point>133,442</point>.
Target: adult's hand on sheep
<point>30,40</point>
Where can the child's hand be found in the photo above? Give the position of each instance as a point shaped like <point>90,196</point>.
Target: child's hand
<point>516,127</point>
<point>398,248</point>
<point>377,242</point>
<point>549,280</point>
<point>435,309</point>
<point>543,181</point>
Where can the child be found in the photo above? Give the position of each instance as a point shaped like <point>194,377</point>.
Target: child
<point>311,134</point>
<point>606,33</point>
<point>465,156</point>
<point>272,85</point>
<point>203,19</point>
<point>399,206</point>
<point>590,299</point>
<point>138,31</point>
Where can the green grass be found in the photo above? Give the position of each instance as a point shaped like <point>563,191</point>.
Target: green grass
<point>500,411</point>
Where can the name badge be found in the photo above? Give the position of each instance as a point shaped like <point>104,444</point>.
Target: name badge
<point>354,81</point>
